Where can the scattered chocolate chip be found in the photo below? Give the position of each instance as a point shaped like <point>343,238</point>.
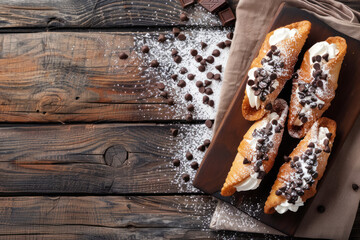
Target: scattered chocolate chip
<point>221,45</point>
<point>320,209</point>
<point>326,142</point>
<point>208,123</point>
<point>211,103</point>
<point>188,97</point>
<point>205,99</point>
<point>201,68</point>
<point>201,148</point>
<point>261,175</point>
<point>274,122</point>
<point>198,58</point>
<point>145,49</point>
<point>174,131</point>
<point>219,68</point>
<point>190,107</point>
<point>326,57</point>
<point>230,35</point>
<point>216,53</point>
<point>296,158</point>
<point>164,94</point>
<point>227,17</point>
<point>287,159</point>
<point>227,43</point>
<point>189,117</point>
<point>318,58</point>
<point>277,129</point>
<point>311,145</point>
<point>193,52</point>
<point>189,156</point>
<point>183,70</point>
<point>194,165</point>
<point>160,86</point>
<point>355,187</point>
<point>207,142</point>
<point>209,91</point>
<point>162,38</point>
<point>174,77</point>
<point>328,135</point>
<point>273,48</point>
<point>210,59</point>
<point>174,52</point>
<point>185,177</point>
<point>203,62</point>
<point>199,84</point>
<point>191,76</point>
<point>184,17</point>
<point>123,55</point>
<point>154,63</point>
<point>327,149</point>
<point>175,31</point>
<point>181,83</point>
<point>171,101</point>
<point>177,59</point>
<point>246,161</point>
<point>203,45</point>
<point>217,77</point>
<point>201,89</point>
<point>207,83</point>
<point>176,162</point>
<point>182,37</point>
<point>210,75</point>
<point>320,106</point>
<point>278,193</point>
<point>268,106</point>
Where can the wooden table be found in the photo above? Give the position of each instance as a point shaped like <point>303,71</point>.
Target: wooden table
<point>78,158</point>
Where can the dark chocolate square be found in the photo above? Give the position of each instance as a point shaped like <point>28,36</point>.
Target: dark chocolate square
<point>213,6</point>
<point>186,3</point>
<point>227,17</point>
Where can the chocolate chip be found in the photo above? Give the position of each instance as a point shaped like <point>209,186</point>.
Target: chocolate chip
<point>194,165</point>
<point>278,193</point>
<point>326,142</point>
<point>203,62</point>
<point>205,99</point>
<point>177,59</point>
<point>308,151</point>
<point>315,175</point>
<point>123,55</point>
<point>162,38</point>
<point>311,145</point>
<point>191,76</point>
<point>185,177</point>
<point>304,119</point>
<point>296,158</point>
<point>193,52</point>
<point>219,68</point>
<point>184,17</point>
<point>221,45</point>
<point>198,58</point>
<point>316,66</point>
<point>319,84</point>
<point>277,129</point>
<point>189,117</point>
<point>216,53</point>
<point>210,75</point>
<point>176,162</point>
<point>174,131</point>
<point>217,77</point>
<point>190,107</point>
<point>174,77</point>
<point>258,163</point>
<point>170,101</point>
<point>227,43</point>
<point>326,57</point>
<point>201,89</point>
<point>273,48</point>
<point>328,135</point>
<point>182,37</point>
<point>318,58</point>
<point>250,83</point>
<point>183,70</point>
<point>201,68</point>
<point>203,45</point>
<point>199,84</point>
<point>268,106</point>
<point>164,94</point>
<point>208,91</point>
<point>273,76</point>
<point>154,63</point>
<point>174,52</point>
<point>208,123</point>
<point>246,161</point>
<point>327,149</point>
<point>211,103</point>
<point>261,175</point>
<point>320,209</point>
<point>207,142</point>
<point>181,83</point>
<point>210,59</point>
<point>175,31</point>
<point>317,150</point>
<point>207,83</point>
<point>189,156</point>
<point>145,49</point>
<point>269,54</point>
<point>201,148</point>
<point>320,106</point>
<point>230,35</point>
<point>355,187</point>
<point>282,64</point>
<point>188,97</point>
<point>274,122</point>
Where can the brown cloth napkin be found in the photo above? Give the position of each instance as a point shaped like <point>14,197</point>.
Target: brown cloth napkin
<point>253,18</point>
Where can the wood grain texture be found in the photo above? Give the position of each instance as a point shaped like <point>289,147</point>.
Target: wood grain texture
<point>76,77</point>
<point>95,13</point>
<point>90,159</point>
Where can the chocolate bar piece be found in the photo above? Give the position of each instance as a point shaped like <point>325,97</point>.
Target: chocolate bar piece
<point>227,17</point>
<point>186,3</point>
<point>213,6</point>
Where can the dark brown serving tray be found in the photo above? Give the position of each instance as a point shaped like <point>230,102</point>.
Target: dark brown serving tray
<point>344,110</point>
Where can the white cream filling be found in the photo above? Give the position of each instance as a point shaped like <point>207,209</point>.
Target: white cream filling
<point>285,206</point>
<point>282,34</point>
<point>322,134</point>
<point>322,48</point>
<point>253,100</point>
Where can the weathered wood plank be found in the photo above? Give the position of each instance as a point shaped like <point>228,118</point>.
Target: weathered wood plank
<point>97,159</point>
<point>97,14</point>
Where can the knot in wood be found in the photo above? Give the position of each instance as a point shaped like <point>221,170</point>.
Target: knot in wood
<point>115,156</point>
<point>49,103</point>
<point>55,22</point>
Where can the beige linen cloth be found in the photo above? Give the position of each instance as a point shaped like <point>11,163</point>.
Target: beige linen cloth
<point>253,19</point>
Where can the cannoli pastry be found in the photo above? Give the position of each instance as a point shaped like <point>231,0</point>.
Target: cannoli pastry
<point>273,66</point>
<point>257,151</point>
<point>315,84</point>
<point>303,168</point>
